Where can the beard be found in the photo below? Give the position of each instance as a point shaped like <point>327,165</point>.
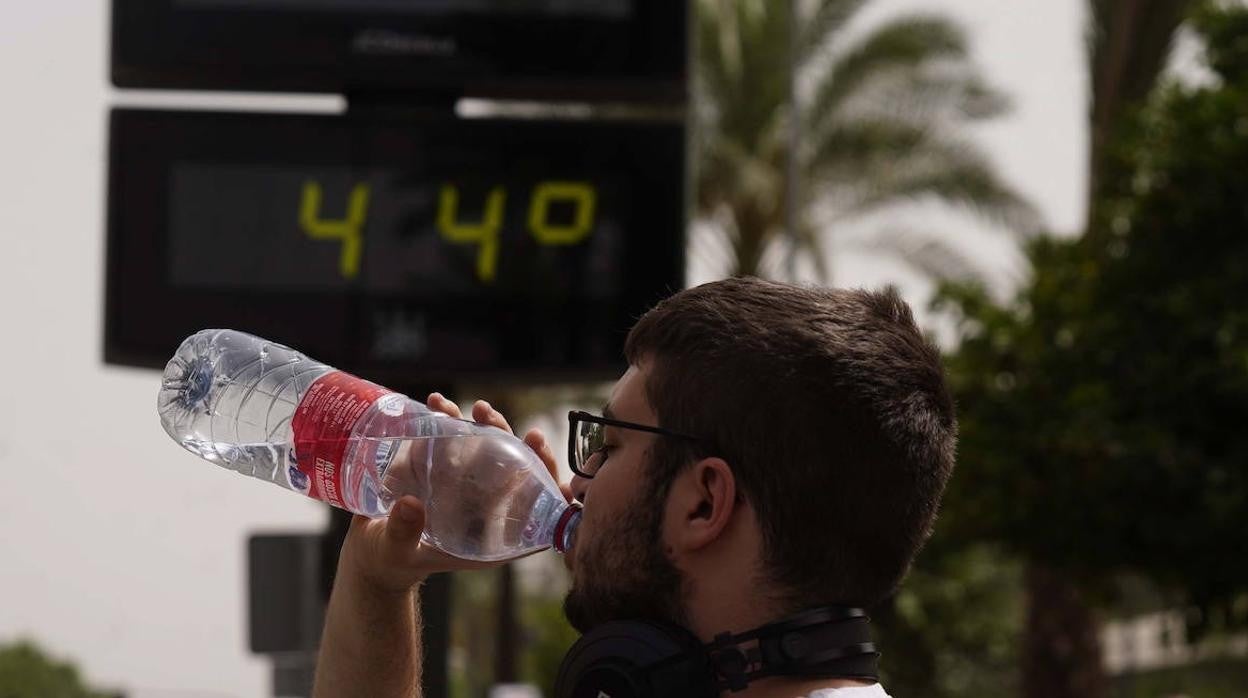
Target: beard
<point>624,573</point>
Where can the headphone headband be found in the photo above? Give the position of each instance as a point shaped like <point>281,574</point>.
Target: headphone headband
<point>833,642</point>
<point>634,659</point>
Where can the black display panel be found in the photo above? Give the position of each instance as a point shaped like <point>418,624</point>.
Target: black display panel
<point>427,249</point>
<point>582,49</point>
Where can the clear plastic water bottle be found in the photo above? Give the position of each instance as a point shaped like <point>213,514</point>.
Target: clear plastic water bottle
<point>265,410</point>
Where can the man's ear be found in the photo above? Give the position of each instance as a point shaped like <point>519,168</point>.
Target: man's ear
<point>701,503</point>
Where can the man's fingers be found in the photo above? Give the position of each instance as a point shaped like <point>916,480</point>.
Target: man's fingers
<point>407,521</point>
<point>402,537</point>
<point>484,413</point>
<point>536,440</point>
<point>437,402</point>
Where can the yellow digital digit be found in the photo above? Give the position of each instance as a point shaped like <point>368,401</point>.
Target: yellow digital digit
<point>349,230</point>
<point>485,233</point>
<point>582,195</point>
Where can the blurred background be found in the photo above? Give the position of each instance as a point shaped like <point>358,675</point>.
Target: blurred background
<point>1056,186</point>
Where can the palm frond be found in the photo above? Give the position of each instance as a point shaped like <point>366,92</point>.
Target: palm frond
<point>925,252</point>
<point>719,52</point>
<point>906,43</point>
<point>952,94</point>
<point>765,68</point>
<point>729,174</point>
<point>720,170</point>
<point>875,132</point>
<point>744,64</point>
<point>848,147</point>
<point>824,24</point>
<point>955,173</point>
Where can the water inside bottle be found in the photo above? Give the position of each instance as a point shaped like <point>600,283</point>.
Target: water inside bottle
<point>486,498</point>
<point>266,461</point>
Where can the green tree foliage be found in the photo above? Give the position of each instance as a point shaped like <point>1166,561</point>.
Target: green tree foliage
<point>1103,408</point>
<point>548,637</point>
<point>882,125</point>
<point>473,632</point>
<point>953,628</point>
<point>27,672</point>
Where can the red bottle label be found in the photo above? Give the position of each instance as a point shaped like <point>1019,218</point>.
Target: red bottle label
<point>322,427</point>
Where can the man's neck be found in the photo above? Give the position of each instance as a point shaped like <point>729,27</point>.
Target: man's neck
<point>725,594</point>
<point>714,609</point>
<point>720,604</point>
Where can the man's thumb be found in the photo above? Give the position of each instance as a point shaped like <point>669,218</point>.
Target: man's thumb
<point>407,520</point>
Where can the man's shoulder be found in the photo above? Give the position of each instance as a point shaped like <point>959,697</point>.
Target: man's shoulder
<point>874,691</point>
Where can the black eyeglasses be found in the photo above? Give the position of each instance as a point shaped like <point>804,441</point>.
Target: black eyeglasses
<point>587,440</point>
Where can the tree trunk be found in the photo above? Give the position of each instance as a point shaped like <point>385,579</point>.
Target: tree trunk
<point>1129,53</point>
<point>1061,642</point>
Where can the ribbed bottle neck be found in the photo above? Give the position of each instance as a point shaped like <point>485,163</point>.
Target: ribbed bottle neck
<point>565,529</point>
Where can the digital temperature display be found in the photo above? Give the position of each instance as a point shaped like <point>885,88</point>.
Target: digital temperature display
<point>391,232</point>
<point>425,245</point>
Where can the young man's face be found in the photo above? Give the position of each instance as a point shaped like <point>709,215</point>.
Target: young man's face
<point>619,567</point>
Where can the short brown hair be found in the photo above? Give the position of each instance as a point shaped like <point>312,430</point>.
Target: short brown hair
<point>831,409</point>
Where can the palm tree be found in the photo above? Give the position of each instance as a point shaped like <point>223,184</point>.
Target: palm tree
<point>878,126</point>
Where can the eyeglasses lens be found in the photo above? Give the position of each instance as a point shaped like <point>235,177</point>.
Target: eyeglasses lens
<point>589,441</point>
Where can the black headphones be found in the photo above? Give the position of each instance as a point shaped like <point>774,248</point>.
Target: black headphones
<point>635,659</point>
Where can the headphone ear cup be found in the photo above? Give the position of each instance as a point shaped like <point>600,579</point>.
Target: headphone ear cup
<point>618,660</point>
